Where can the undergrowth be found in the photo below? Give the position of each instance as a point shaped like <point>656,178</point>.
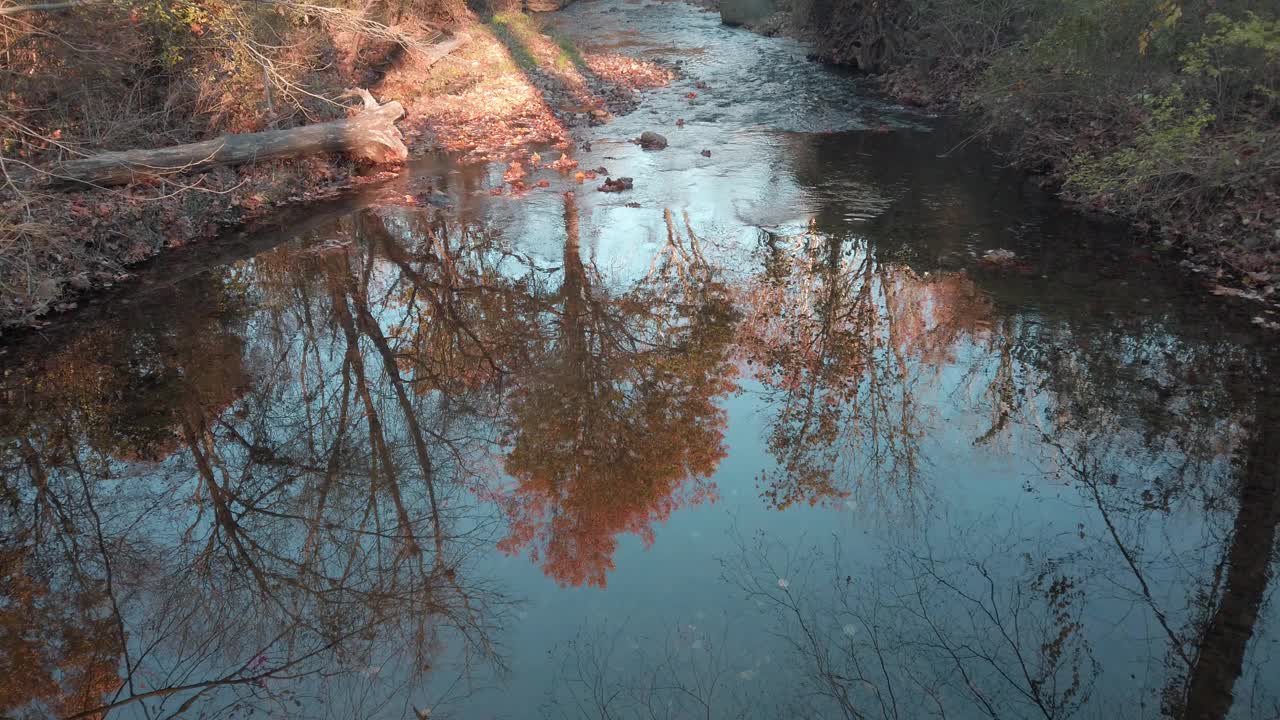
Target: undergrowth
<point>119,74</point>
<point>1163,111</point>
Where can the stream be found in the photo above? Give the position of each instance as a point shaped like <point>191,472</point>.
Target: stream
<point>839,418</point>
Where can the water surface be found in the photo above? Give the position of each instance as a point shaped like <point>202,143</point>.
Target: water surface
<point>778,442</point>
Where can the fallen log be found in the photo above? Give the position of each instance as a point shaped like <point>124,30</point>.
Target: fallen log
<point>369,136</point>
<point>438,51</point>
<point>541,6</point>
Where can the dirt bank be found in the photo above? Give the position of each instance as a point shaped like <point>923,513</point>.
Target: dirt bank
<point>509,89</point>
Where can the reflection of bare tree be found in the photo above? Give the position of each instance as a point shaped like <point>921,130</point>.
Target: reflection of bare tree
<point>840,342</point>
<point>686,673</point>
<point>618,425</point>
<point>1208,639</point>
<point>301,549</point>
<point>1229,627</point>
<point>961,630</point>
<point>465,298</point>
<point>973,629</point>
<point>1127,432</point>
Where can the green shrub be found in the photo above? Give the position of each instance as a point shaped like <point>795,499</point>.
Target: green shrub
<point>1239,61</point>
<point>1167,157</point>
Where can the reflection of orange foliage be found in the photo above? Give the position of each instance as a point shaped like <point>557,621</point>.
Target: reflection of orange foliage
<point>838,340</point>
<point>935,313</point>
<point>615,433</point>
<point>594,464</point>
<point>60,655</point>
<point>594,458</point>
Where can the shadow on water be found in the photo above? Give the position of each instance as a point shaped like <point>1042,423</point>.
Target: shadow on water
<point>778,443</point>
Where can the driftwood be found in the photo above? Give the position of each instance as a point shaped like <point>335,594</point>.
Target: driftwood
<point>545,5</point>
<point>437,52</point>
<point>44,7</point>
<point>369,136</point>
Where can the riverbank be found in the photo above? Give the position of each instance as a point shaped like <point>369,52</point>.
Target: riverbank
<point>508,89</point>
<point>1165,116</point>
<point>1197,181</point>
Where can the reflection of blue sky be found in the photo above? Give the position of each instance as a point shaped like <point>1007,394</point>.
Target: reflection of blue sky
<point>1014,486</point>
<point>1013,492</point>
<point>980,500</point>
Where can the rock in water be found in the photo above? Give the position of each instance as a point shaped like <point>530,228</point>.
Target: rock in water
<point>999,256</point>
<point>611,185</point>
<point>650,140</point>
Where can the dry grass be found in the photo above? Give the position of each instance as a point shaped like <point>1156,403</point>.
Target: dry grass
<point>106,79</point>
<point>515,87</point>
<point>477,102</point>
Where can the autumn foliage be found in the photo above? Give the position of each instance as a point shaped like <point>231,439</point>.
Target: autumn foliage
<point>619,425</point>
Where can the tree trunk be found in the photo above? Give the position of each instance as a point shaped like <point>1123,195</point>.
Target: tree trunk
<point>1220,661</point>
<point>370,136</point>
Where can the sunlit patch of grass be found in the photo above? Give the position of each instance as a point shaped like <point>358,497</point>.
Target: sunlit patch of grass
<point>569,52</point>
<point>485,59</point>
<point>484,102</point>
<point>515,31</point>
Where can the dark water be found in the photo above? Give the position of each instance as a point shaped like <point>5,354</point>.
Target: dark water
<point>777,443</point>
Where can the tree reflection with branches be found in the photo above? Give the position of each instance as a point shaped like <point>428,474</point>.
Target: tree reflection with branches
<point>617,424</point>
<point>841,341</point>
<point>301,547</point>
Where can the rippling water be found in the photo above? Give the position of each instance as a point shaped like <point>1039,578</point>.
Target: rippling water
<point>778,442</point>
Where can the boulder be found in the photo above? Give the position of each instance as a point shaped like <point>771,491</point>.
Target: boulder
<point>650,140</point>
<point>741,12</point>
